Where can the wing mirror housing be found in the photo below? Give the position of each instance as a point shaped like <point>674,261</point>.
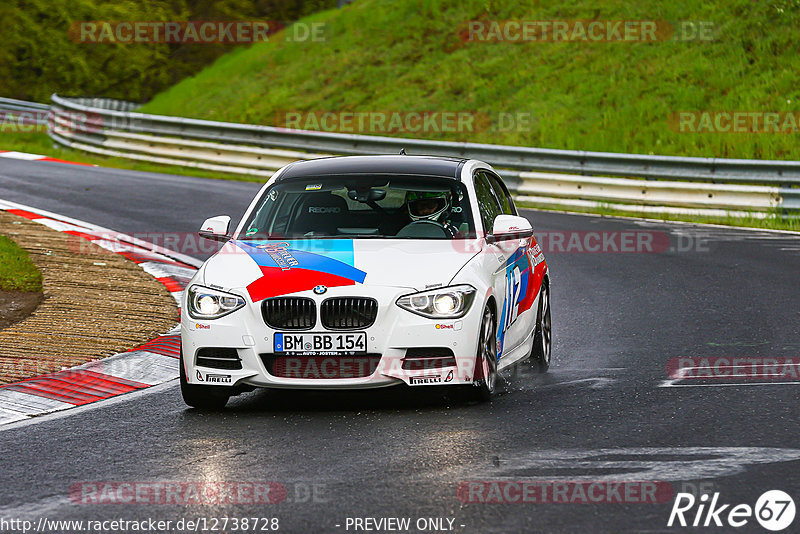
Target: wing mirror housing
<point>216,228</point>
<point>508,227</point>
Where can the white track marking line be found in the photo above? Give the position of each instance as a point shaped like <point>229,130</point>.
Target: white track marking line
<point>21,155</point>
<point>671,384</point>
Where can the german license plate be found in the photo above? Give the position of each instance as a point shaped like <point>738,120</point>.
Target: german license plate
<point>293,343</point>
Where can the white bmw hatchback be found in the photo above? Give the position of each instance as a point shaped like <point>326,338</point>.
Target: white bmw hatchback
<point>363,272</point>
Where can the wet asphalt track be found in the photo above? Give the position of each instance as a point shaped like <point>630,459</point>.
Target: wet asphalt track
<point>618,319</point>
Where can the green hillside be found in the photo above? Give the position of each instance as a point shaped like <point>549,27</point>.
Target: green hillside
<point>400,55</point>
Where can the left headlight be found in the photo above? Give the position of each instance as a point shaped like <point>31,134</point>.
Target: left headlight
<point>440,303</point>
<point>207,303</point>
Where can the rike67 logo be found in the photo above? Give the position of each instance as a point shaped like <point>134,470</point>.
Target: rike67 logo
<point>774,510</point>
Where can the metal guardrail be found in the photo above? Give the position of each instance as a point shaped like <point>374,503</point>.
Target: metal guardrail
<point>108,104</point>
<point>28,113</point>
<point>638,182</point>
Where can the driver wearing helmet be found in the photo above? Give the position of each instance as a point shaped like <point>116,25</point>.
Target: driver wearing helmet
<point>431,206</point>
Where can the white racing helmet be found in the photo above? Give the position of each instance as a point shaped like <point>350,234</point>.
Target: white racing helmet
<point>427,206</point>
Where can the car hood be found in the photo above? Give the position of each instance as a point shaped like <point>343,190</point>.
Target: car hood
<point>272,268</point>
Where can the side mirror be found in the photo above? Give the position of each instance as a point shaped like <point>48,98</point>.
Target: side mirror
<point>508,227</point>
<point>216,228</point>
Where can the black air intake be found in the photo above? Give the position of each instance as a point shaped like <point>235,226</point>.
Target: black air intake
<point>219,358</point>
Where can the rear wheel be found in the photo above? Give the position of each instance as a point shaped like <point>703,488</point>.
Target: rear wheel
<point>486,358</point>
<point>541,352</point>
<point>202,397</point>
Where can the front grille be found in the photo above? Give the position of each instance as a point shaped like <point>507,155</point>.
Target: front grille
<point>424,358</point>
<point>289,313</point>
<point>321,367</point>
<point>219,358</point>
<point>348,313</point>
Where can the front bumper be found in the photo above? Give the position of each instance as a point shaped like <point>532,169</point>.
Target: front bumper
<point>389,339</point>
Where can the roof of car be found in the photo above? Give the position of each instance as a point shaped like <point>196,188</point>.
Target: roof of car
<point>371,165</point>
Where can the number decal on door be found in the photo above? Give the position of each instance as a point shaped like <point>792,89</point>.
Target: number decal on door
<point>513,288</point>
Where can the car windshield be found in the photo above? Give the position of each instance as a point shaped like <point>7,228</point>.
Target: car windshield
<point>397,207</point>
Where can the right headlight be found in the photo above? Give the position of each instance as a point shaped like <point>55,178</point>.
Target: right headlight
<point>207,303</point>
<point>440,303</point>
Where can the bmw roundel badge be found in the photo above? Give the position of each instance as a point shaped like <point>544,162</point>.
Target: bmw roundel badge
<point>319,290</point>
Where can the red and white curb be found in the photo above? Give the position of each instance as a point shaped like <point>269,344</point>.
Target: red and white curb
<point>150,364</point>
<point>11,154</point>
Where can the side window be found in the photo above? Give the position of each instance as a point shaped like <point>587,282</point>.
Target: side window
<point>266,217</point>
<point>503,196</point>
<point>281,216</point>
<point>487,201</point>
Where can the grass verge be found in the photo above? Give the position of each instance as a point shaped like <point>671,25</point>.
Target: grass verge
<point>17,270</point>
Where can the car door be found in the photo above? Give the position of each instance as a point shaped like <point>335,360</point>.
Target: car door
<point>506,275</point>
<point>525,274</point>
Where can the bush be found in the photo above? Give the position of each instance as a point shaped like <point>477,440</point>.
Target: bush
<point>38,56</point>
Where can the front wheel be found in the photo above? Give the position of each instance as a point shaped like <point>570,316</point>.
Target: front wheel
<point>486,358</point>
<point>541,353</point>
<point>202,397</point>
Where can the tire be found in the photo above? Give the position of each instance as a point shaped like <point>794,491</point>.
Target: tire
<point>202,397</point>
<point>542,350</point>
<point>486,376</point>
